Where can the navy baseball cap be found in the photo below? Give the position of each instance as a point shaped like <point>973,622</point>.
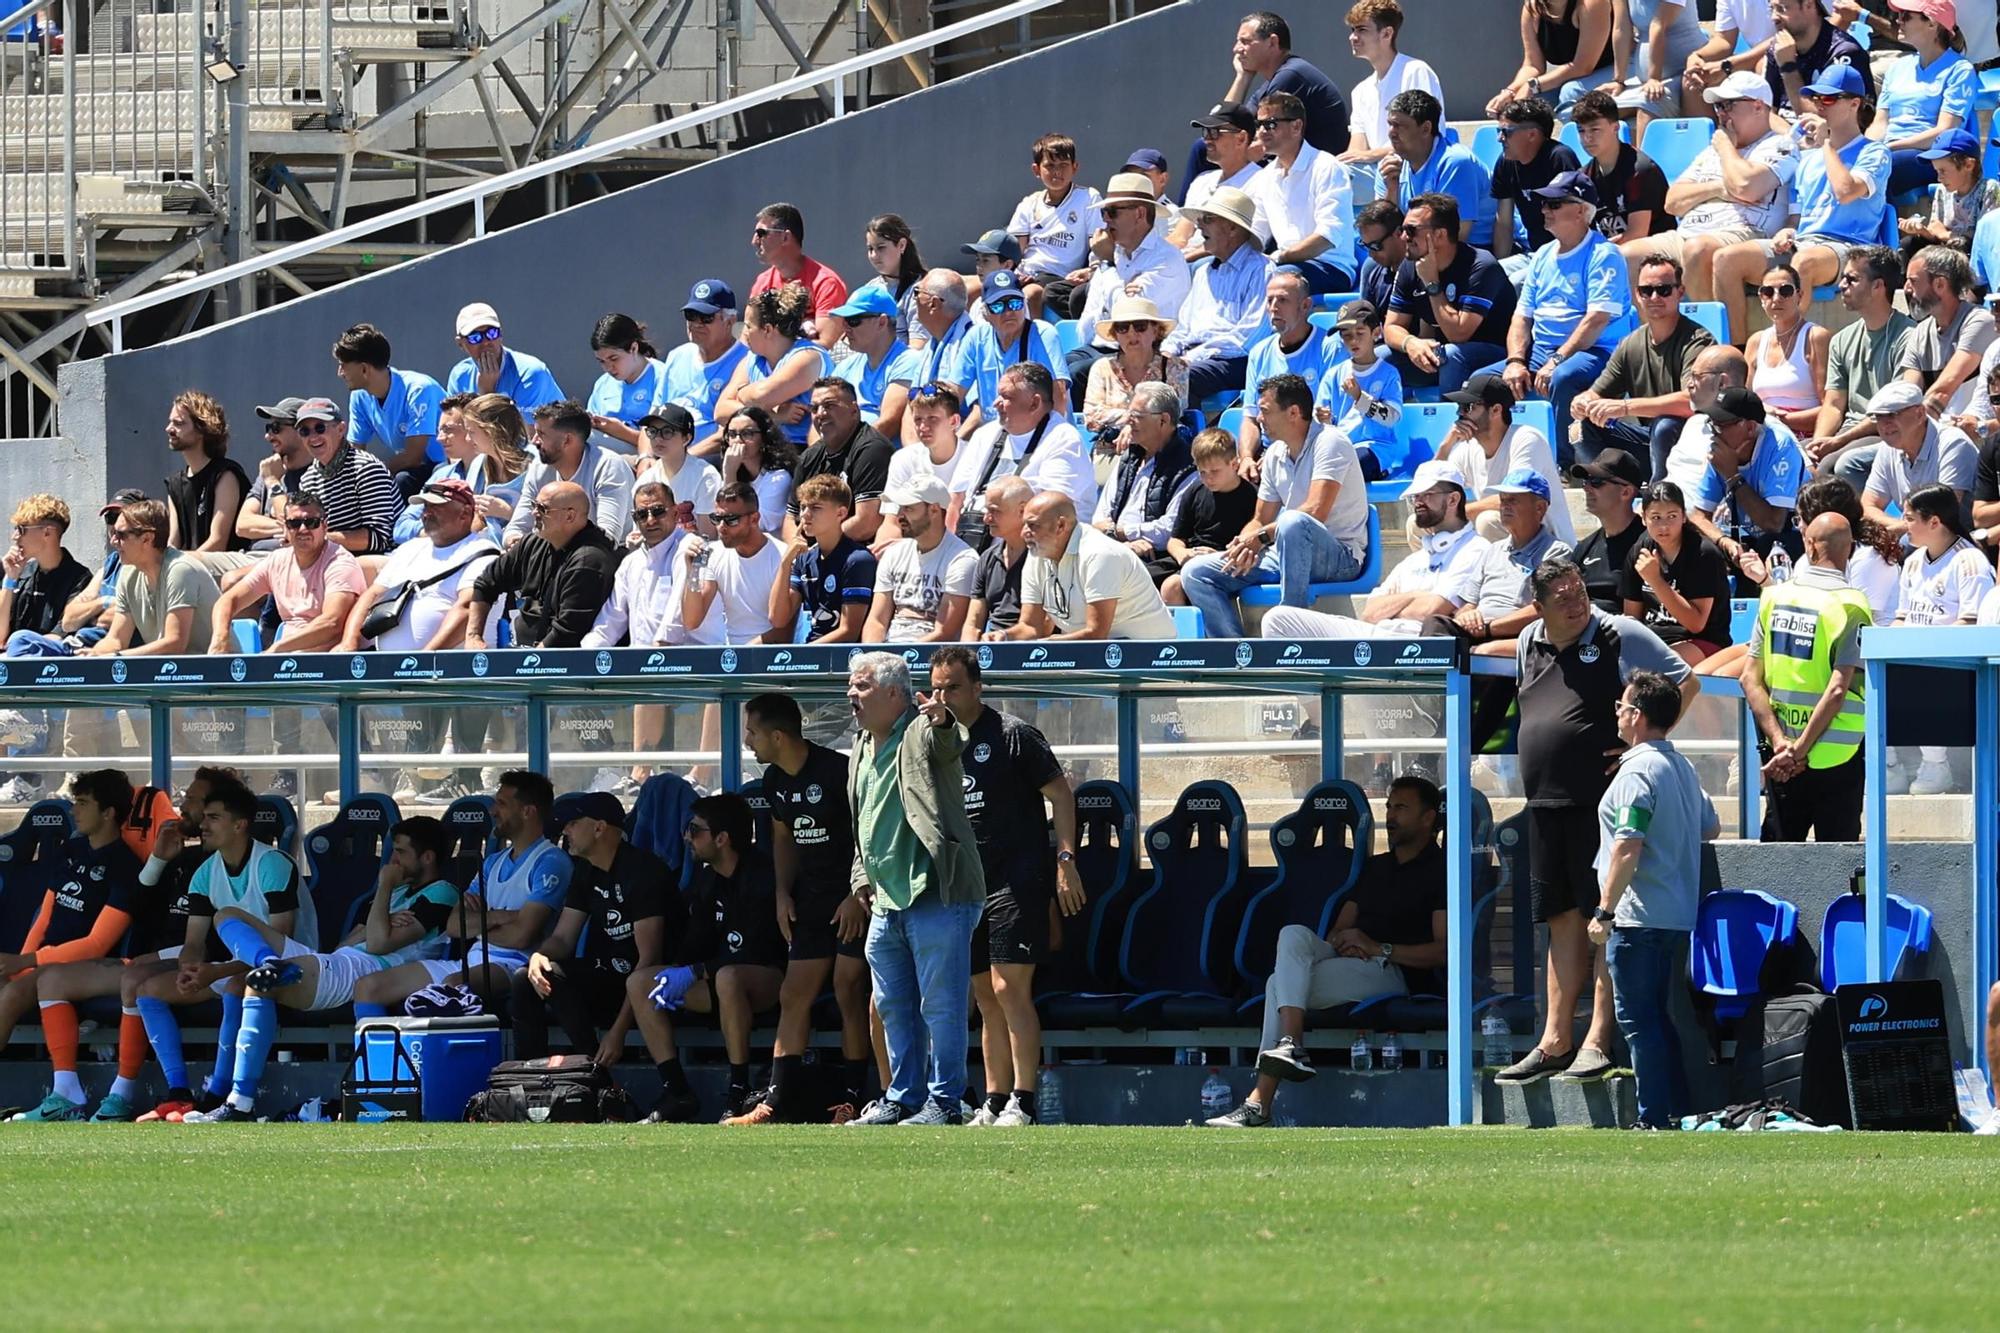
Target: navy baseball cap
<point>1839,79</point>
<point>1569,185</point>
<point>1952,143</point>
<point>1000,285</point>
<point>710,296</point>
<point>1151,159</point>
<point>600,805</point>
<point>996,242</point>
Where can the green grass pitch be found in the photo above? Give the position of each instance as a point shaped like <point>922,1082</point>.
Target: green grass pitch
<point>573,1227</point>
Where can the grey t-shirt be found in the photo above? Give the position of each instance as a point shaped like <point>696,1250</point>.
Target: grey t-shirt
<point>1929,347</point>
<point>185,582</point>
<point>1656,798</point>
<point>1499,584</point>
<point>1326,455</point>
<point>1947,456</point>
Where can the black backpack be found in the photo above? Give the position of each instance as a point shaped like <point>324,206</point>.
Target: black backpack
<point>562,1089</point>
<point>1788,1050</point>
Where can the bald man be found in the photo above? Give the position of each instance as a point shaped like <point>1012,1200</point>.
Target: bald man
<point>1803,685</point>
<point>1714,369</point>
<point>557,578</point>
<point>1080,583</point>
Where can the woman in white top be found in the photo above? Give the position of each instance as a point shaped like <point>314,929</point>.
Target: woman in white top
<point>1945,578</point>
<point>755,450</point>
<point>1788,360</point>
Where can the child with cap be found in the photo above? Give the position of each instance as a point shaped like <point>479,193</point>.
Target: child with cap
<point>1362,396</point>
<point>1956,201</point>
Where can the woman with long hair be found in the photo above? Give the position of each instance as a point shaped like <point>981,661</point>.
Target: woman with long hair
<point>756,450</point>
<point>1945,578</point>
<point>498,434</point>
<point>778,375</point>
<point>892,253</point>
<point>1675,581</point>
<point>626,390</point>
<point>1788,359</point>
<point>1924,94</point>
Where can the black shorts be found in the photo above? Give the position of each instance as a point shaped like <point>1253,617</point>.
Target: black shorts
<point>1015,926</point>
<point>813,932</point>
<point>1562,850</point>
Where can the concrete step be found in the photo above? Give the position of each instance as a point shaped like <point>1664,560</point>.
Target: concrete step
<point>1611,1103</point>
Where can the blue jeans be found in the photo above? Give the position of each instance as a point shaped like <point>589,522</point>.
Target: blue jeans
<point>1304,553</point>
<point>1573,375</point>
<point>1851,464</point>
<point>1456,364</point>
<point>1645,967</point>
<point>1650,445</point>
<point>27,643</point>
<point>921,958</point>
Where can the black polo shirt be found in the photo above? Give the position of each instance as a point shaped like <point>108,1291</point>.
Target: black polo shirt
<point>1567,723</point>
<point>1394,902</point>
<point>636,886</point>
<point>1472,281</point>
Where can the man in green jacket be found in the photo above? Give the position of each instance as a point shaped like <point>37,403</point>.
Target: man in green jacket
<point>916,866</point>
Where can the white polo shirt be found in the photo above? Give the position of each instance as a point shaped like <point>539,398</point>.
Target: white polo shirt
<point>1095,567</point>
<point>1312,198</point>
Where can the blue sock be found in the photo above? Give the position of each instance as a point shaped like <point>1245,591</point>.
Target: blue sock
<point>163,1030</point>
<point>363,1009</point>
<point>225,1045</point>
<point>245,941</point>
<point>253,1047</point>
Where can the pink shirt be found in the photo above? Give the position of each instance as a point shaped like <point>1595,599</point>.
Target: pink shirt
<point>829,293</point>
<point>301,594</point>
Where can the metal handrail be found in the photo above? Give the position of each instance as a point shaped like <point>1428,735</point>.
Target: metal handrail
<point>476,192</point>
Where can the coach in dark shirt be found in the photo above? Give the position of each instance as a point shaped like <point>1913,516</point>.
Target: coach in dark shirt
<point>560,576</point>
<point>1611,483</point>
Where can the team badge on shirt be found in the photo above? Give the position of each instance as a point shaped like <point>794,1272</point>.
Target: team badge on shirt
<point>813,793</point>
<point>981,752</point>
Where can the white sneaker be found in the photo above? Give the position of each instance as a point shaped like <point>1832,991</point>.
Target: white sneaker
<point>489,778</point>
<point>18,790</point>
<point>1015,1115</point>
<point>438,772</point>
<point>1933,778</point>
<point>1895,778</point>
<point>607,779</point>
<point>984,1116</point>
<point>1733,786</point>
<point>15,728</point>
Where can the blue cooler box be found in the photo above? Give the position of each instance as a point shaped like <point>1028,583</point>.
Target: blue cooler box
<point>418,1068</point>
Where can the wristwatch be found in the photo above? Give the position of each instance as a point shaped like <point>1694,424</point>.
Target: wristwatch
<point>1433,289</point>
<point>1534,87</point>
<point>1599,914</point>
<point>1387,950</point>
<point>1065,857</point>
<point>1728,66</point>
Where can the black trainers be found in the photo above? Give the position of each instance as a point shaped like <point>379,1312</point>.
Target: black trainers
<point>682,1108</point>
<point>1535,1066</point>
<point>273,974</point>
<point>1247,1116</point>
<point>1287,1060</point>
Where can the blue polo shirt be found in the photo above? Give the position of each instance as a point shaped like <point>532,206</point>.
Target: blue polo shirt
<point>526,379</point>
<point>1453,170</point>
<point>1914,96</point>
<point>1823,216</point>
<point>697,384</point>
<point>1560,289</point>
<point>1776,470</point>
<point>938,354</point>
<point>980,359</point>
<point>411,408</point>
<point>829,582</point>
<point>899,365</point>
<point>1309,361</point>
<point>614,398</point>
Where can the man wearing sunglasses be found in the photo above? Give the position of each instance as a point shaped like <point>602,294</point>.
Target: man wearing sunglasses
<point>559,577</point>
<point>1737,189</point>
<point>1306,195</point>
<point>1803,46</point>
<point>882,368</point>
<point>1008,338</point>
<point>1530,157</point>
<point>700,369</point>
<point>165,603</point>
<point>1452,304</point>
<point>1640,402</point>
<point>490,366</point>
<point>1379,227</point>
<point>1142,264</point>
<point>314,582</point>
<point>1229,140</point>
<point>779,238</point>
<point>360,497</point>
<point>735,572</point>
<point>261,519</point>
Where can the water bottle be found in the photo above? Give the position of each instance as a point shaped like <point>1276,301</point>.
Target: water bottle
<point>1216,1098</point>
<point>1780,565</point>
<point>1359,1057</point>
<point>1392,1053</point>
<point>1048,1098</point>
<point>1497,1047</point>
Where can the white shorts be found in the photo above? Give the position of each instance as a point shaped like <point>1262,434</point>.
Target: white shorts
<point>508,961</point>
<point>221,984</point>
<point>338,972</point>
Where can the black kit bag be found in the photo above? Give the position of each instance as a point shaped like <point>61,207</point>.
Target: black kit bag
<point>1788,1050</point>
<point>561,1089</point>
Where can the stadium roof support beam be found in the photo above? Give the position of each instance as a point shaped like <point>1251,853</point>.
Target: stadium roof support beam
<point>791,44</point>
<point>623,89</point>
<point>553,113</point>
<point>370,137</point>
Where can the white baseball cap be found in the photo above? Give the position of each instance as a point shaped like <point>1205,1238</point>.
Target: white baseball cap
<point>1434,472</point>
<point>478,315</point>
<point>1743,83</point>
<point>923,489</point>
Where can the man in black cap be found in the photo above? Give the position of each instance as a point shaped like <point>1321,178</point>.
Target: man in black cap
<point>1487,444</point>
<point>1229,140</point>
<point>1745,499</point>
<point>1640,402</point>
<point>1611,482</point>
<point>993,251</point>
<point>627,898</point>
<point>261,520</point>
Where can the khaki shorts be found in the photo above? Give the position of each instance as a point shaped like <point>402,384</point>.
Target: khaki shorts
<point>1674,243</point>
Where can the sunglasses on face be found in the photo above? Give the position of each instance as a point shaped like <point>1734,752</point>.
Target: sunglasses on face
<point>1007,305</point>
<point>693,317</point>
<point>118,534</point>
<point>1658,289</point>
<point>20,528</point>
<point>761,232</point>
<point>1375,247</point>
<point>478,336</point>
<point>273,427</point>
<point>722,520</point>
<point>1216,132</point>
<point>651,512</point>
<point>305,523</point>
<point>1410,232</point>
<point>1130,326</point>
<point>694,828</point>
<point>1827,99</point>
<point>1271,122</point>
<point>314,427</point>
<point>1777,291</point>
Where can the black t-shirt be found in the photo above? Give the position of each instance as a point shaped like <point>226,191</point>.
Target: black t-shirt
<point>998,583</point>
<point>1394,903</point>
<point>39,601</point>
<point>1567,720</point>
<point>812,804</point>
<point>1700,571</point>
<point>1215,518</point>
<point>637,886</point>
<point>1602,560</point>
<point>1007,763</point>
<point>863,465</point>
<point>1513,180</point>
<point>734,920</point>
<point>160,912</point>
<point>1634,183</point>
<point>1326,110</point>
<point>1473,280</point>
<point>97,878</point>
<point>268,494</point>
<point>1986,481</point>
<point>193,501</point>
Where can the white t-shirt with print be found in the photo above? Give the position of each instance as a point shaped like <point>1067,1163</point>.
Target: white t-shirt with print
<point>918,582</point>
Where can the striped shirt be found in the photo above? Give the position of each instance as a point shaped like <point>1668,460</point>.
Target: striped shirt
<point>358,494</point>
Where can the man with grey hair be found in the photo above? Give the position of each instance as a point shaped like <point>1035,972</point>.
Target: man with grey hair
<point>942,324</point>
<point>1943,352</point>
<point>1140,502</point>
<point>917,869</point>
<point>996,585</point>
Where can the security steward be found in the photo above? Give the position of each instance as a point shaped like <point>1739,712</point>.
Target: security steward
<point>1804,687</point>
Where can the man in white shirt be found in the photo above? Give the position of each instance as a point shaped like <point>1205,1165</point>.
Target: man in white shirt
<point>1449,551</point>
<point>1737,189</point>
<point>1373,27</point>
<point>454,545</point>
<point>737,571</point>
<point>1306,195</point>
<point>1229,138</point>
<point>637,608</point>
<point>1486,445</point>
<point>1028,441</point>
<point>1311,524</point>
<point>1141,264</point>
<point>923,583</point>
<point>667,434</point>
<point>1081,584</point>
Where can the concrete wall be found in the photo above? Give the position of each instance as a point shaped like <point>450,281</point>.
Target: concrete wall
<point>953,161</point>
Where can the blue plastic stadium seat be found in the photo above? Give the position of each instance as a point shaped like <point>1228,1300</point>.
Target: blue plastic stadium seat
<point>1069,335</point>
<point>1080,985</point>
<point>29,864</point>
<point>1187,622</point>
<point>1180,936</point>
<point>1735,931</point>
<point>1843,939</point>
<point>1232,420</point>
<point>1986,236</point>
<point>1266,594</point>
<point>247,636</point>
<point>1674,144</point>
<point>1331,302</point>
<point>276,823</point>
<point>1323,321</point>
<point>1486,146</point>
<point>1539,413</point>
<point>1319,849</point>
<point>1987,95</point>
<point>1711,315</point>
<point>343,858</point>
